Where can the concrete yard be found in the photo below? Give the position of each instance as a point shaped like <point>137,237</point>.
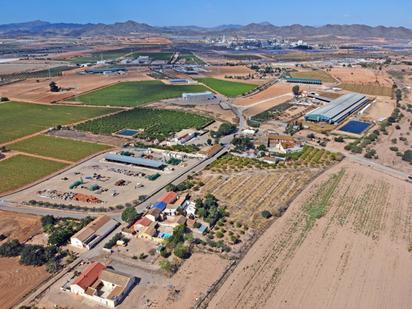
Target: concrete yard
<point>97,171</point>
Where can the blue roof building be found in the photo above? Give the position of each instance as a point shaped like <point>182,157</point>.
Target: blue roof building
<point>202,228</point>
<point>160,205</point>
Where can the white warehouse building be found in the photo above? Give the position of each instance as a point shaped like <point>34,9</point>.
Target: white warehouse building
<point>197,97</point>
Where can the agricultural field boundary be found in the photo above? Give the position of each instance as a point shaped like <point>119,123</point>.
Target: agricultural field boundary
<point>71,103</point>
<point>204,301</point>
<point>57,173</point>
<point>70,124</point>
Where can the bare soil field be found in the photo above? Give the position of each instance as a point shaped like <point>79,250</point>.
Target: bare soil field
<point>19,226</point>
<point>27,66</point>
<point>382,108</point>
<point>273,91</point>
<point>264,105</point>
<point>343,243</point>
<point>18,280</point>
<point>389,157</point>
<point>191,281</point>
<point>361,75</point>
<point>38,90</point>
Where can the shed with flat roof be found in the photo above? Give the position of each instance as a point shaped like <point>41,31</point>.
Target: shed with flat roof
<point>134,161</point>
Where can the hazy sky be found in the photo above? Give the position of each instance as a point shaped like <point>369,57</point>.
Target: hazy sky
<point>211,12</point>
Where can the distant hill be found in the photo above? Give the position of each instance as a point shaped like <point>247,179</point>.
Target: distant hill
<point>42,28</point>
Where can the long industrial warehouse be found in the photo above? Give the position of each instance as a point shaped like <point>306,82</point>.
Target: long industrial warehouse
<point>338,109</point>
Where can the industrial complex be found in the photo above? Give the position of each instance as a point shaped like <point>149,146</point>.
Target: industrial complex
<point>337,110</point>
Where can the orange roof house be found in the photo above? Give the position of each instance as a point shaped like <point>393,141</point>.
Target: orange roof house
<point>89,275</point>
<point>169,197</point>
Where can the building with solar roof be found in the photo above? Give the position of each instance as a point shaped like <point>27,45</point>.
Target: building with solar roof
<point>337,110</point>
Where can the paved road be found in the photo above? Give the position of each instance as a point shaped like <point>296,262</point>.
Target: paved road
<point>16,207</point>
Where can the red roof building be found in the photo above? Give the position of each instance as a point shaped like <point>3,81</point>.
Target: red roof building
<point>169,197</point>
<point>141,223</point>
<point>89,275</point>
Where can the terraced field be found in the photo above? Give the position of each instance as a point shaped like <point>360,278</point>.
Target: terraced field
<point>345,242</point>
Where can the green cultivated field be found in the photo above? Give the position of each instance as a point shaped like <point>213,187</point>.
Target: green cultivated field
<point>227,88</point>
<point>158,124</point>
<point>371,89</point>
<point>20,170</point>
<point>59,148</point>
<point>21,119</point>
<point>136,93</point>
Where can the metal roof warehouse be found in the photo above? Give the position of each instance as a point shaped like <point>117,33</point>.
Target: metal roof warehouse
<point>338,109</point>
<point>304,81</point>
<point>134,161</point>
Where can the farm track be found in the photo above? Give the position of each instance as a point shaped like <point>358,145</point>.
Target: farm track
<point>44,157</point>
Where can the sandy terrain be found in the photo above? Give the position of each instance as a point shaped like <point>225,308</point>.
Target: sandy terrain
<point>17,280</point>
<point>19,226</point>
<point>32,91</point>
<point>382,108</point>
<point>355,256</point>
<point>360,75</point>
<point>27,66</point>
<point>192,280</point>
<point>389,157</point>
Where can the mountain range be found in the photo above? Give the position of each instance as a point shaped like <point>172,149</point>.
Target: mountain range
<point>43,28</point>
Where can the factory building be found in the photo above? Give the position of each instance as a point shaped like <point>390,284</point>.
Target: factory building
<point>197,97</point>
<point>337,110</point>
